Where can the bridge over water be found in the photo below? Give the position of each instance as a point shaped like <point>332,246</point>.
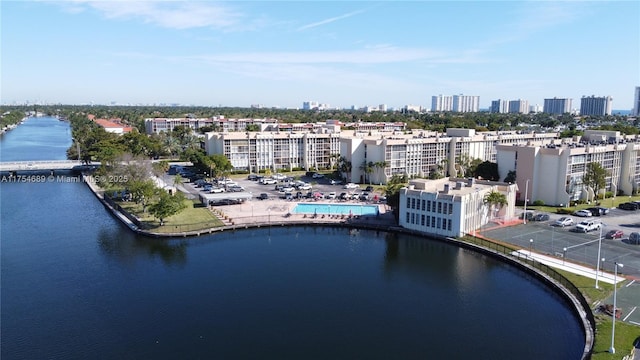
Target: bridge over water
<point>45,165</point>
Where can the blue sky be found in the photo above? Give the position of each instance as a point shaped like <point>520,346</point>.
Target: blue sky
<point>336,52</point>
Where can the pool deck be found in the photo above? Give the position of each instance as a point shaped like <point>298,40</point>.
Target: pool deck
<point>280,211</point>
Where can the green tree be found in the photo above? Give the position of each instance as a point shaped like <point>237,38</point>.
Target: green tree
<point>167,205</point>
<point>142,192</point>
<point>487,170</point>
<point>495,199</point>
<point>392,192</point>
<point>367,168</point>
<point>511,177</point>
<point>595,176</point>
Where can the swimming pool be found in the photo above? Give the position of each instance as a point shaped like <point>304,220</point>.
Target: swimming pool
<point>336,209</point>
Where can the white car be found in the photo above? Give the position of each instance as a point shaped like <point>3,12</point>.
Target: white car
<point>331,195</point>
<point>583,213</point>
<point>564,221</point>
<point>317,176</point>
<point>305,187</point>
<point>351,186</point>
<point>216,190</point>
<point>268,181</point>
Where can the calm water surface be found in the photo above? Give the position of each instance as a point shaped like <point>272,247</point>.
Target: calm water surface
<point>76,285</point>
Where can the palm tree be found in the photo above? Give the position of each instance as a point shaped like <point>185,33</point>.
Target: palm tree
<point>495,198</point>
<point>381,165</point>
<point>367,168</point>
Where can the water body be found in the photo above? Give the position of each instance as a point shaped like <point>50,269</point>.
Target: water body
<point>76,284</point>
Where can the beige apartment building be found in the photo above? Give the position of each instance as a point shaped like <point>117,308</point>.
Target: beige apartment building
<point>552,171</point>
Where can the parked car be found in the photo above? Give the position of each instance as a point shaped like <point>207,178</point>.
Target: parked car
<point>336,182</point>
<point>564,221</point>
<point>634,238</point>
<point>343,196</point>
<point>369,188</point>
<point>614,234</point>
<point>587,225</point>
<point>216,190</point>
<point>364,196</point>
<point>603,210</point>
<point>628,206</point>
<point>528,215</point>
<point>263,196</point>
<point>331,195</point>
<point>583,213</point>
<point>317,176</point>
<point>351,186</point>
<point>541,217</point>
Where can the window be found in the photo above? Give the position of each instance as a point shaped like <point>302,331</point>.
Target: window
<point>428,221</point>
<point>422,218</point>
<point>438,223</point>
<point>433,221</point>
<point>407,217</point>
<point>408,203</point>
<point>413,218</point>
<point>449,225</point>
<point>423,205</point>
<point>429,205</point>
<point>439,207</point>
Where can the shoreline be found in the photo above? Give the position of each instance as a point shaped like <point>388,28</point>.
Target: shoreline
<point>282,217</point>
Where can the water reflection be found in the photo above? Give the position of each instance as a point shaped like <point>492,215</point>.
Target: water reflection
<point>126,247</point>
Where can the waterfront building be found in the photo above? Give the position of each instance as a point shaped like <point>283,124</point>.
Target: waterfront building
<point>113,126</point>
<point>257,151</point>
<point>453,207</point>
<point>422,153</point>
<point>636,102</point>
<point>557,106</point>
<point>554,169</point>
<point>466,103</point>
<point>535,108</point>
<point>442,103</point>
<point>518,106</point>
<point>591,105</point>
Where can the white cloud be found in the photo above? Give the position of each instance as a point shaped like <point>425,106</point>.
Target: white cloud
<point>168,14</point>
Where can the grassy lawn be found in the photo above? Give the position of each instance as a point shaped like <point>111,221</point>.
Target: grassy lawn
<point>194,217</point>
<point>626,334</point>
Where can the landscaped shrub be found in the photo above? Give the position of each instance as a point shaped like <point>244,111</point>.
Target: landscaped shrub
<point>538,203</point>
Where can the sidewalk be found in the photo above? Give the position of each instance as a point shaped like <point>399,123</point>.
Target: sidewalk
<point>570,267</point>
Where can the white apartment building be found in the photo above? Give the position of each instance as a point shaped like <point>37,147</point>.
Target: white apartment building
<point>552,171</point>
<point>442,103</point>
<point>420,153</point>
<point>256,151</point>
<point>452,207</point>
<point>158,125</point>
<point>466,103</point>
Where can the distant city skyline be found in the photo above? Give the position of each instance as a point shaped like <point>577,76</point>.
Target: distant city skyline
<point>344,54</point>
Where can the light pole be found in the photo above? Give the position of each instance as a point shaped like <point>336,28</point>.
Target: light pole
<point>530,246</point>
<point>612,349</point>
<point>598,258</point>
<point>564,255</point>
<point>526,191</point>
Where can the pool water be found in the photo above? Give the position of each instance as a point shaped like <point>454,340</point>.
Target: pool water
<point>336,209</point>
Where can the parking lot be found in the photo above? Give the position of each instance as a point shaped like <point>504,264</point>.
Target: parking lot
<point>563,243</point>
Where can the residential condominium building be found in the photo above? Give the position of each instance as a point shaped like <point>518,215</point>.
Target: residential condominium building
<point>553,171</point>
<point>258,151</point>
<point>466,103</point>
<point>636,102</point>
<point>557,106</point>
<point>499,106</point>
<point>442,103</point>
<point>599,106</point>
<point>158,125</point>
<point>422,153</point>
<point>453,207</point>
<point>519,106</point>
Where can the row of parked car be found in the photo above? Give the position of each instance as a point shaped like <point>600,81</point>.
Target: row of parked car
<point>631,205</point>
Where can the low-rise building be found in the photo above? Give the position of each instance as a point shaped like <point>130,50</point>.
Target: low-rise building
<point>453,207</point>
